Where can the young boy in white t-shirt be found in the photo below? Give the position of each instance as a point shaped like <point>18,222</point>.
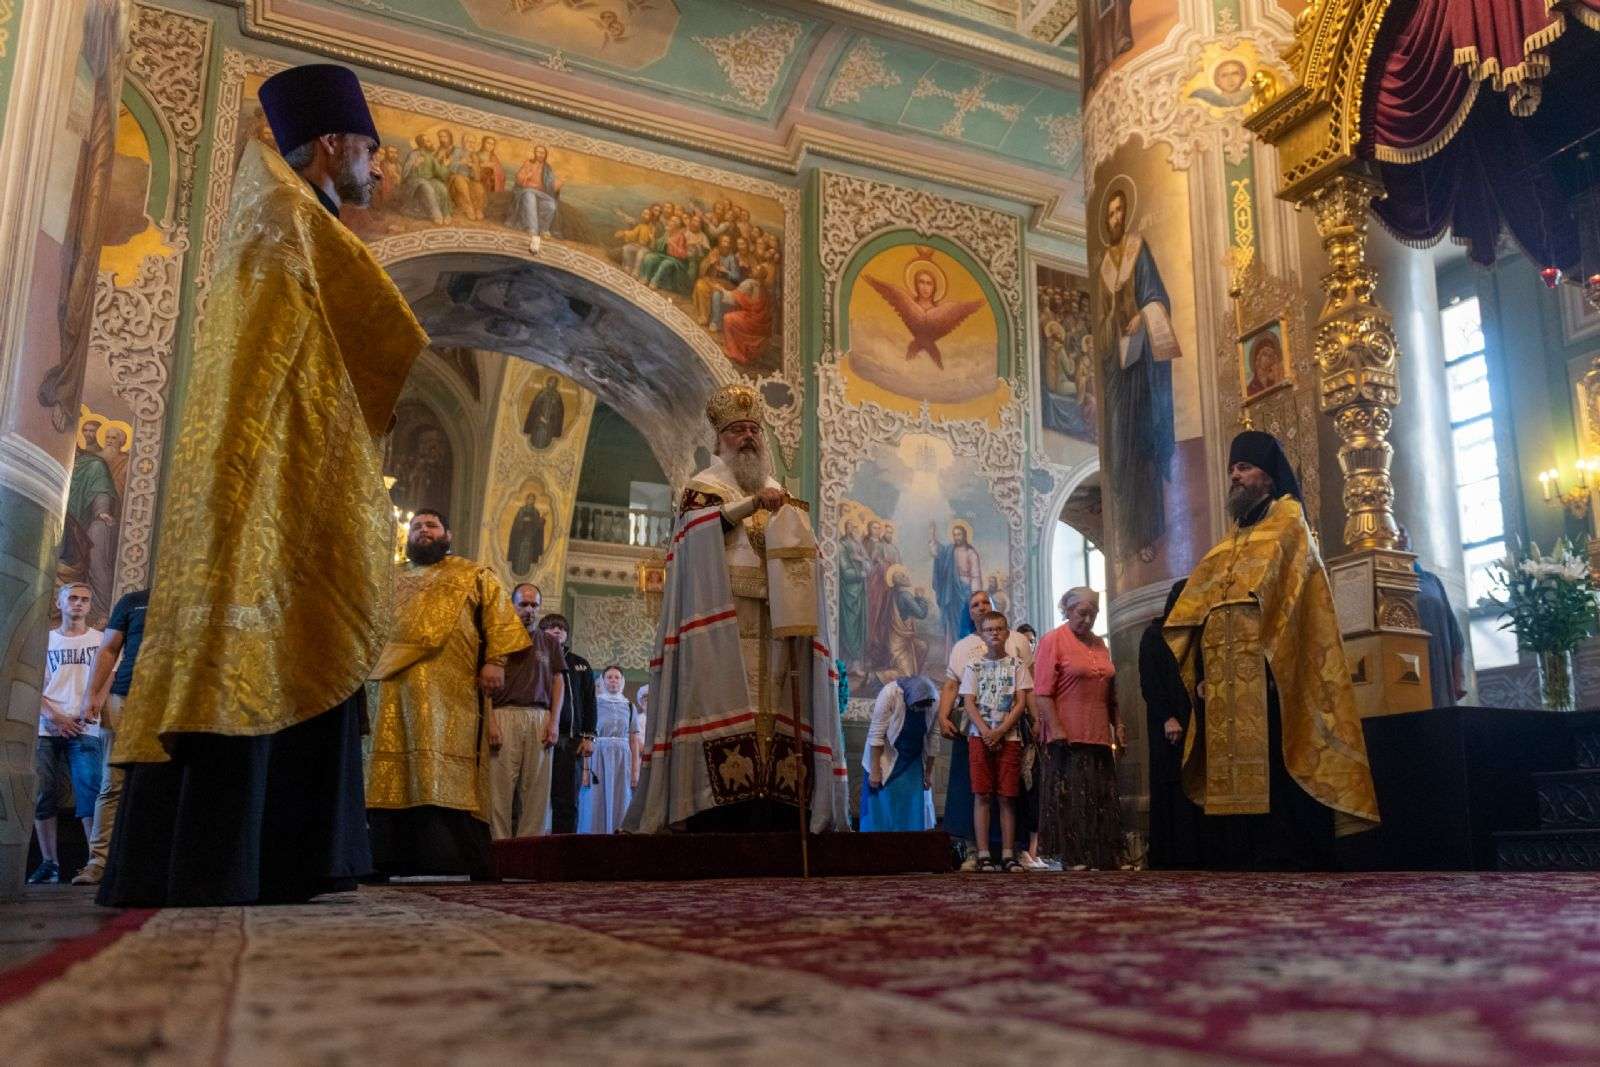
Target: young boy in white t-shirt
<point>994,694</point>
<point>68,745</point>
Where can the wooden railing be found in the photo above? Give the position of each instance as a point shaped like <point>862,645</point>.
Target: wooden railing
<point>612,525</point>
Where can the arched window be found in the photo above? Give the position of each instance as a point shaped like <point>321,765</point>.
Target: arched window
<point>1075,561</point>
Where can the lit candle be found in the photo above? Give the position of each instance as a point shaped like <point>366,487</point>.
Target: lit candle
<point>1544,483</point>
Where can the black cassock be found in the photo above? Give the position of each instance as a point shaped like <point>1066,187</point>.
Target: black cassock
<point>1174,818</point>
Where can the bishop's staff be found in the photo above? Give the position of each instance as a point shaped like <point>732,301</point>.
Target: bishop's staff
<point>792,599</point>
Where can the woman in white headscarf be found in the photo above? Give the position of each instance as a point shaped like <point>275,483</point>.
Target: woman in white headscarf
<point>898,761</point>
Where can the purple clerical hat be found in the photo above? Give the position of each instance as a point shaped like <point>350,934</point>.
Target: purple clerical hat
<point>303,103</point>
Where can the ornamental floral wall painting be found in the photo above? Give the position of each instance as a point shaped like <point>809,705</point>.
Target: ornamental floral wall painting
<point>919,533</point>
<point>715,252</point>
<point>920,325</point>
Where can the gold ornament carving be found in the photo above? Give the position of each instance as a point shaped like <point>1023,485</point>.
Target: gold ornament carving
<point>1313,117</point>
<point>1355,350</point>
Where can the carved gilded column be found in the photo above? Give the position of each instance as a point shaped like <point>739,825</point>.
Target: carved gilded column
<point>1375,586</point>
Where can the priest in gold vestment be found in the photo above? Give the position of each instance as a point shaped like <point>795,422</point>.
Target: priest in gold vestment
<point>1275,754</point>
<point>241,732</point>
<point>428,785</point>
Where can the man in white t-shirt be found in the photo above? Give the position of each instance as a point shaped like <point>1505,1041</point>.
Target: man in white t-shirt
<point>958,821</point>
<point>68,745</point>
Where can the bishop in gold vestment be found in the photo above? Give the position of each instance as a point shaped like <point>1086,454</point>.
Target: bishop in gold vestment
<point>428,786</point>
<point>269,605</point>
<point>1275,755</point>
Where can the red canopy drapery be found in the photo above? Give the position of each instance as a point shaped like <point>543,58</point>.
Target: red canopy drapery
<point>1451,159</point>
<point>1435,53</point>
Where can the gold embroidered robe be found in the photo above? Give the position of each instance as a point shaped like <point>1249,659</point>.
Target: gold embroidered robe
<point>270,602</point>
<point>428,742</point>
<point>1261,599</point>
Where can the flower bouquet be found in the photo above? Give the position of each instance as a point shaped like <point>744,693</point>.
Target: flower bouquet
<point>1549,603</point>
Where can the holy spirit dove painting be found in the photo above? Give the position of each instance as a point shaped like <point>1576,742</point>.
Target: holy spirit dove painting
<point>920,325</point>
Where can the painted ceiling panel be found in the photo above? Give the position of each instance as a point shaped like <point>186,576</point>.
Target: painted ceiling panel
<point>907,89</point>
<point>720,53</point>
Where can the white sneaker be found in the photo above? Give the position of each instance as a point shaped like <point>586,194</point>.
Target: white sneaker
<point>533,244</point>
<point>970,863</point>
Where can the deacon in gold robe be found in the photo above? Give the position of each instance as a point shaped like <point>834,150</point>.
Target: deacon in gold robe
<point>270,603</point>
<point>1275,754</point>
<point>428,787</point>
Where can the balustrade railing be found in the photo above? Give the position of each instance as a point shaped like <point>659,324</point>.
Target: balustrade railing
<point>612,525</point>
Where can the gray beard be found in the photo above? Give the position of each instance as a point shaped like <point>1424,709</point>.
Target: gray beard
<point>1242,500</point>
<point>749,470</point>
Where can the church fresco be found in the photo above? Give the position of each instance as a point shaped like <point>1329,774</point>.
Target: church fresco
<point>1142,312</point>
<point>1067,402</point>
<point>99,481</point>
<point>919,532</point>
<point>920,326</point>
<point>726,54</point>
<point>553,404</point>
<point>716,253</point>
<point>1113,32</point>
<point>421,460</point>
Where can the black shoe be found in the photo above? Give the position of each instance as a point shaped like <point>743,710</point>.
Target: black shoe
<point>48,871</point>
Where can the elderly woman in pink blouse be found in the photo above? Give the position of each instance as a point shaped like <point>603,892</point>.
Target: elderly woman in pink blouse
<point>1076,701</point>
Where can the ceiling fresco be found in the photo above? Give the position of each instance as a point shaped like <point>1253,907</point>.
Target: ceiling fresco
<point>763,82</point>
<point>730,56</point>
<point>910,89</point>
<point>588,333</point>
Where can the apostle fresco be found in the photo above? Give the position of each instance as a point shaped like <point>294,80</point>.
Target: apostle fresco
<point>853,567</point>
<point>1229,88</point>
<point>1135,343</point>
<point>547,415</point>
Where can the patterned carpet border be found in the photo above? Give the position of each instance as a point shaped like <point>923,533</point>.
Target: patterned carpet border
<point>1343,970</point>
<point>18,982</point>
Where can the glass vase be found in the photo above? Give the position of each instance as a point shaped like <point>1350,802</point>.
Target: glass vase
<point>1558,684</point>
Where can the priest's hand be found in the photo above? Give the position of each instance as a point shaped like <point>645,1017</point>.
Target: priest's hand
<point>770,498</point>
<point>1173,729</point>
<point>491,678</point>
<point>496,735</point>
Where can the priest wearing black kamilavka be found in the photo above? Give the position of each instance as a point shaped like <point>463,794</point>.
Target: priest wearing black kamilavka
<point>1274,754</point>
<point>242,730</point>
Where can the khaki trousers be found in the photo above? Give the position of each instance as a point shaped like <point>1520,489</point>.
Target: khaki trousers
<point>519,774</point>
<point>110,798</point>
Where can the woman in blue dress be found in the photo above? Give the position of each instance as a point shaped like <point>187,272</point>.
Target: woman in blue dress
<point>608,778</point>
<point>898,760</point>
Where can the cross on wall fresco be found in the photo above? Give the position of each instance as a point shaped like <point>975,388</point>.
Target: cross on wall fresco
<point>974,97</point>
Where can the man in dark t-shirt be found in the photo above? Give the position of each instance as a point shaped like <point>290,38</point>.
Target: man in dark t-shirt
<point>119,649</point>
<point>522,728</point>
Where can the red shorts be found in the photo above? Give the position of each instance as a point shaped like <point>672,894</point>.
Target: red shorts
<point>995,771</point>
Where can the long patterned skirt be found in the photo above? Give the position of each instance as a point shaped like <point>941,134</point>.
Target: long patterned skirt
<point>1081,814</point>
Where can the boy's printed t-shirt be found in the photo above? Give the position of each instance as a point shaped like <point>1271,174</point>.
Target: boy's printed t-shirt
<point>995,682</point>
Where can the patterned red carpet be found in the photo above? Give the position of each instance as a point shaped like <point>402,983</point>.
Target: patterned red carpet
<point>1460,970</point>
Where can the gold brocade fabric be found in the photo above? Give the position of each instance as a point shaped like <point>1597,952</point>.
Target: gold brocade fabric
<point>270,601</point>
<point>427,743</point>
<point>1237,770</point>
<point>1264,587</point>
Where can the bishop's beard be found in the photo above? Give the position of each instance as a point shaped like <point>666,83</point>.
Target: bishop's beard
<point>429,554</point>
<point>749,469</point>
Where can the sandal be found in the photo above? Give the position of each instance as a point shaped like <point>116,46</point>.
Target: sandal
<point>1014,866</point>
<point>986,865</point>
